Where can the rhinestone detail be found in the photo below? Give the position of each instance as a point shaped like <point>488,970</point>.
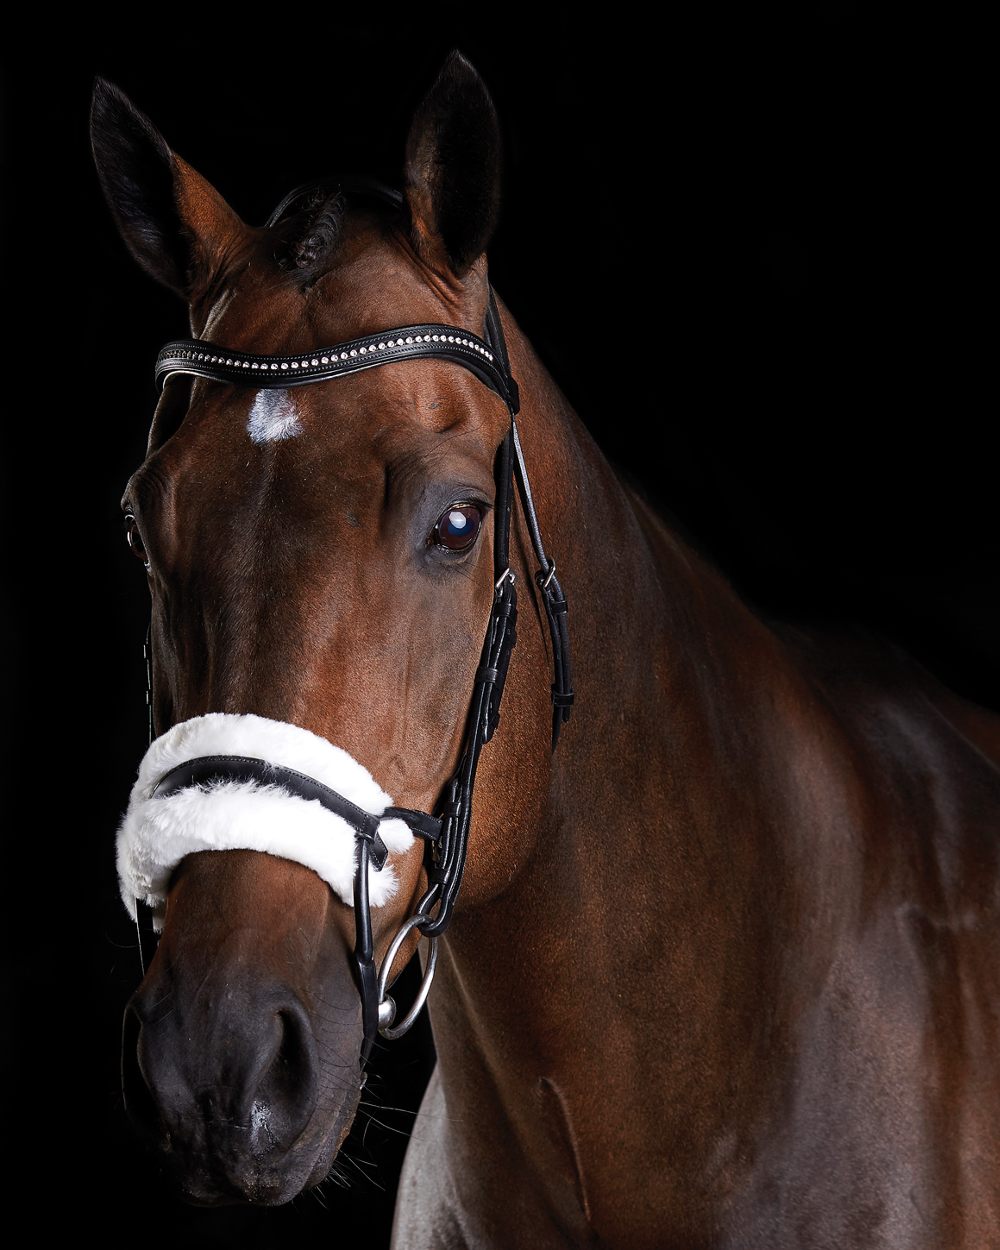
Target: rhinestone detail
<point>314,362</point>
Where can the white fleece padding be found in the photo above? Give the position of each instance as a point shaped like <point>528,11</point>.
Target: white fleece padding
<point>157,832</point>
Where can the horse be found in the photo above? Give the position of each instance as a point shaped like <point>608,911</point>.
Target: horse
<point>725,964</point>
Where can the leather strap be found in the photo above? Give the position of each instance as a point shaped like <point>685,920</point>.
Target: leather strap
<point>364,955</point>
<point>352,184</point>
<point>445,861</point>
<point>552,597</point>
<point>409,342</point>
<point>208,768</point>
<point>422,824</point>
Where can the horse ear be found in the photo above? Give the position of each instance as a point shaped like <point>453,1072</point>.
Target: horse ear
<point>452,176</point>
<point>176,225</point>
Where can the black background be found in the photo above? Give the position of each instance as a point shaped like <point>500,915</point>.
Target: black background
<point>772,209</point>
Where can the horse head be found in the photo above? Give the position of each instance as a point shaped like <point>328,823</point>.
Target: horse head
<point>319,562</point>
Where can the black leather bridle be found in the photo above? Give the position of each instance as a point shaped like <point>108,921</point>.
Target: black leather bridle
<point>446,833</point>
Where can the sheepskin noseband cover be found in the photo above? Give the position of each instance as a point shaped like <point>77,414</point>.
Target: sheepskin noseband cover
<point>156,832</point>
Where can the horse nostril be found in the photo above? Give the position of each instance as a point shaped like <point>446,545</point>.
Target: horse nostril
<point>286,1092</point>
<point>292,1054</point>
<point>245,1071</point>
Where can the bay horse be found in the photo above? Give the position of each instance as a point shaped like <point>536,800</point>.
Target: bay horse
<point>724,970</point>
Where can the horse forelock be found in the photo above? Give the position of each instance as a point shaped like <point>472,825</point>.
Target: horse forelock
<point>313,234</point>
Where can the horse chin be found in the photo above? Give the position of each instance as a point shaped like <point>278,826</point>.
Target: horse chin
<point>229,1178</point>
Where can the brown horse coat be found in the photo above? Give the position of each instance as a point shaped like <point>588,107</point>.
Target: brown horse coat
<point>725,968</point>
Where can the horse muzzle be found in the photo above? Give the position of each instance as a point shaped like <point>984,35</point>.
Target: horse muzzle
<point>230,1079</point>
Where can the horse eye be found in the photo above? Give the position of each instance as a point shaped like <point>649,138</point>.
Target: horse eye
<point>134,539</point>
<point>458,526</point>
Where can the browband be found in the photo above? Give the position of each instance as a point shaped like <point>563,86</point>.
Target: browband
<point>207,360</point>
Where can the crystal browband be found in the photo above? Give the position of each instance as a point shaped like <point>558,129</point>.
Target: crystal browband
<point>205,359</point>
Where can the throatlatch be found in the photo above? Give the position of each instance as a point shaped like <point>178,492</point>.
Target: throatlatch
<point>445,834</point>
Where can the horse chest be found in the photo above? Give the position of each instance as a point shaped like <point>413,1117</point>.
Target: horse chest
<point>471,1179</point>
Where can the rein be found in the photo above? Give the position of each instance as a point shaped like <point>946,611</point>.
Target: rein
<point>446,833</point>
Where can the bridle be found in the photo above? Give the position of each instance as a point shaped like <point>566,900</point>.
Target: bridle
<point>446,833</point>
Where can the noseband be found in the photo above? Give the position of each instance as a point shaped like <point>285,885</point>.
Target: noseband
<point>445,833</point>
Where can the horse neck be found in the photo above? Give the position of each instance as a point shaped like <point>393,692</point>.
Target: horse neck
<point>653,907</point>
